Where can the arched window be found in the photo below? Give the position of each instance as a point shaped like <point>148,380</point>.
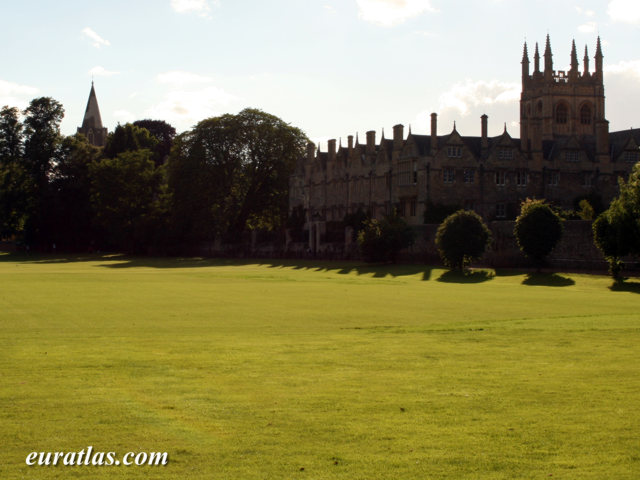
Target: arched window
<point>585,115</point>
<point>539,106</point>
<point>562,113</point>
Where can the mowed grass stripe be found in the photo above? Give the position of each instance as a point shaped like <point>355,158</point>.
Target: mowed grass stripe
<point>257,370</point>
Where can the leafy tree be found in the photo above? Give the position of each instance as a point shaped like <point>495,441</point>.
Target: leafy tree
<point>163,133</point>
<point>129,199</point>
<point>42,142</point>
<point>357,221</point>
<point>616,231</point>
<point>538,230</point>
<point>70,217</point>
<point>462,238</point>
<point>437,212</point>
<point>128,138</point>
<point>11,136</point>
<point>231,173</point>
<point>586,211</point>
<point>382,240</point>
<point>14,185</point>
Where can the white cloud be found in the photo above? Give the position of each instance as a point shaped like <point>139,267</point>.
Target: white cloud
<point>465,102</point>
<point>15,95</point>
<point>586,13</point>
<point>330,9</point>
<point>425,33</point>
<point>622,81</point>
<point>201,7</point>
<point>588,27</point>
<point>629,69</point>
<point>392,12</point>
<point>97,40</point>
<point>184,108</point>
<point>124,116</point>
<point>625,11</point>
<point>462,96</point>
<point>179,78</point>
<point>99,71</point>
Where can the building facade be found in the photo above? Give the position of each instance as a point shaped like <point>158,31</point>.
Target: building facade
<point>565,152</point>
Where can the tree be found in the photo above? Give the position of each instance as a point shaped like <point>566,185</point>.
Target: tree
<point>163,133</point>
<point>129,199</point>
<point>11,136</point>
<point>42,142</point>
<point>538,230</point>
<point>382,240</point>
<point>13,178</point>
<point>616,231</point>
<point>462,238</point>
<point>231,173</point>
<point>70,216</point>
<point>128,138</point>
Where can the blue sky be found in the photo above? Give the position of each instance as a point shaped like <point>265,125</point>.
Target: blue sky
<point>331,67</point>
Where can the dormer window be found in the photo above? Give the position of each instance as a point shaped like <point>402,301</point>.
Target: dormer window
<point>454,152</point>
<point>505,154</point>
<point>631,156</point>
<point>571,156</point>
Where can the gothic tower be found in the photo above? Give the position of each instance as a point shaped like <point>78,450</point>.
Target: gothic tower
<point>559,104</point>
<point>92,124</point>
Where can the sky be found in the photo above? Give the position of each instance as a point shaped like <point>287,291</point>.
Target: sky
<point>333,68</point>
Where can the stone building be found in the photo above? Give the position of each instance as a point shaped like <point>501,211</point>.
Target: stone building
<point>565,152</point>
<point>92,123</point>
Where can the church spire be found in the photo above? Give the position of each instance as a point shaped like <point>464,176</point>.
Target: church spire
<point>92,117</point>
<point>536,60</point>
<point>92,122</point>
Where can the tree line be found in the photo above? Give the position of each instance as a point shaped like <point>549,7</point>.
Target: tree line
<point>147,189</point>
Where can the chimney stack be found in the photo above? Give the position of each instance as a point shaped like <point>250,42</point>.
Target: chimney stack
<point>434,131</point>
<point>371,141</point>
<point>332,149</point>
<point>483,129</point>
<point>311,151</point>
<point>350,138</point>
<point>398,136</point>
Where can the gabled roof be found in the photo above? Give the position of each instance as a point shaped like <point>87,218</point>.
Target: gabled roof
<point>552,149</point>
<point>623,140</point>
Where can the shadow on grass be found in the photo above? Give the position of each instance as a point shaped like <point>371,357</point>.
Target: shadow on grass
<point>547,280</point>
<point>632,287</point>
<point>476,276</point>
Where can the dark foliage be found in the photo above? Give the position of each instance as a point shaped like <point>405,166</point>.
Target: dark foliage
<point>462,238</point>
<point>538,230</point>
<point>382,240</point>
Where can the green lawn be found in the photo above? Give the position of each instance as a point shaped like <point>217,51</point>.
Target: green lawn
<point>271,370</point>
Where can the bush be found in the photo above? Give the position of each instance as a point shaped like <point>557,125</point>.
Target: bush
<point>615,233</point>
<point>382,240</point>
<point>462,238</point>
<point>437,212</point>
<point>538,230</point>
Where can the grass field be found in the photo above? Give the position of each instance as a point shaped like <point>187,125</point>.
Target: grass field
<point>289,370</point>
